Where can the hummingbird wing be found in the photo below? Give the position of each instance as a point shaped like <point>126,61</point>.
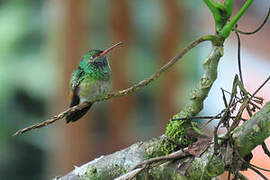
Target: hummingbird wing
<point>76,78</point>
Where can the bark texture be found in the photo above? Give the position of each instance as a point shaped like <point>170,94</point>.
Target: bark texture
<point>246,137</point>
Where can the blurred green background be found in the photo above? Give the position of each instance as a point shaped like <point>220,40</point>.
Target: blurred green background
<point>41,43</point>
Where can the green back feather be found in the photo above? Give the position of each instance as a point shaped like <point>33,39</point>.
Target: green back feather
<point>86,70</point>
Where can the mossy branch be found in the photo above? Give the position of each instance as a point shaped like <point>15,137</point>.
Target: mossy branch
<point>208,165</point>
<point>253,132</point>
<point>198,95</point>
<point>221,14</point>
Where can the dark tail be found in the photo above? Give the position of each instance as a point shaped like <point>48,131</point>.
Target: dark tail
<point>76,115</point>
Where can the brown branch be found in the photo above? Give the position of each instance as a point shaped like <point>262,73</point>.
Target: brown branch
<point>131,174</point>
<point>137,169</point>
<point>175,155</point>
<point>135,87</point>
<point>52,120</point>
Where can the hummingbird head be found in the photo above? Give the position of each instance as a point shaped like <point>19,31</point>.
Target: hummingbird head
<point>96,56</point>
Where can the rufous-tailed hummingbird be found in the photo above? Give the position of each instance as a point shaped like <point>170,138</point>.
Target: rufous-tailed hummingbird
<point>91,80</point>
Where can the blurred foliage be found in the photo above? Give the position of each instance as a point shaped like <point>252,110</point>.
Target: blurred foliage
<point>23,74</point>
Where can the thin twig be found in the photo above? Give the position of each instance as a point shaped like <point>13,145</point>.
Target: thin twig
<point>224,97</point>
<point>263,169</point>
<point>261,86</point>
<point>224,90</point>
<point>245,104</point>
<point>124,92</point>
<point>205,117</point>
<point>242,177</point>
<point>239,56</point>
<point>265,149</point>
<point>226,114</point>
<point>229,175</point>
<point>255,99</point>
<point>258,172</point>
<point>259,28</point>
<point>137,169</point>
<point>130,174</point>
<point>249,164</point>
<point>197,117</point>
<point>175,155</point>
<point>52,120</point>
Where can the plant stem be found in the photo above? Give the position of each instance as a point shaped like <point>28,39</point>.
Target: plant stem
<point>225,32</point>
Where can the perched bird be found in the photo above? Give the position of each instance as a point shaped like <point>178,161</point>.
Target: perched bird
<point>91,80</point>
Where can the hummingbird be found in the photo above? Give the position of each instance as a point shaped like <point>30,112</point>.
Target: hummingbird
<point>91,80</point>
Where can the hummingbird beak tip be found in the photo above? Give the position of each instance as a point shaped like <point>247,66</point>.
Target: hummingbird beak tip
<point>110,48</point>
<point>120,43</point>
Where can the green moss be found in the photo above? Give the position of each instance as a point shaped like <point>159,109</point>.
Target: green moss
<point>175,136</point>
<point>176,131</point>
<point>168,147</point>
<point>110,173</point>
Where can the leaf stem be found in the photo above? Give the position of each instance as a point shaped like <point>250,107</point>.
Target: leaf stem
<point>225,32</point>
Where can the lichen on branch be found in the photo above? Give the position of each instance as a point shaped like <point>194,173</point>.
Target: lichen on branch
<point>253,132</point>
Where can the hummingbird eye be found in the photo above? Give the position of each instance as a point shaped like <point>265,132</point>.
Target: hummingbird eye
<point>93,57</point>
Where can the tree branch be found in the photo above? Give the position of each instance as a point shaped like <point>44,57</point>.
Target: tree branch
<point>253,132</point>
<point>197,95</point>
<point>132,89</point>
<point>206,166</point>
